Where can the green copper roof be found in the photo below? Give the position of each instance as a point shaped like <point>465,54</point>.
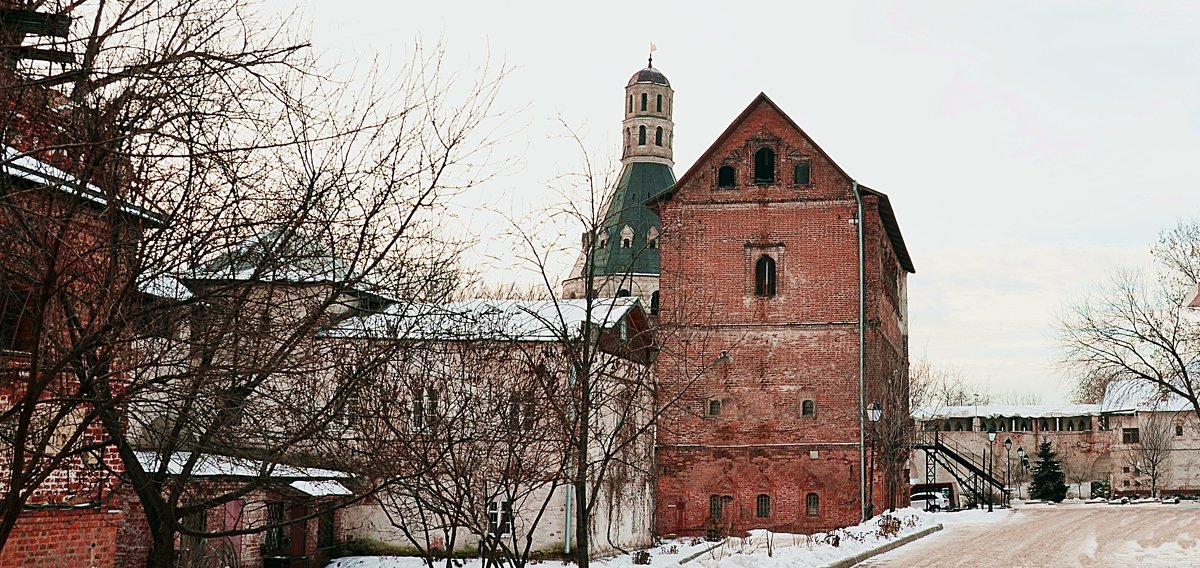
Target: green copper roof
<point>639,181</point>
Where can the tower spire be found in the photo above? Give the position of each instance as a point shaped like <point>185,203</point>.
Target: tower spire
<point>650,60</point>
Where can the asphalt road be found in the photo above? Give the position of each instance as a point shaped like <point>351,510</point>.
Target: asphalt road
<point>1136,536</point>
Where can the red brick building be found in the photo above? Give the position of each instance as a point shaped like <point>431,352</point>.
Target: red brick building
<point>760,298</point>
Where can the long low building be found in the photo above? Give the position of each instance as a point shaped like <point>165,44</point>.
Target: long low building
<point>1133,443</point>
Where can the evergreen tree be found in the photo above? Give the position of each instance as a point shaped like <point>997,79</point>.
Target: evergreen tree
<point>1048,479</point>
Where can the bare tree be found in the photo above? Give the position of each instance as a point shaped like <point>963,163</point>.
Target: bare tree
<point>1137,329</point>
<point>1151,454</point>
<point>936,386</point>
<point>225,203</point>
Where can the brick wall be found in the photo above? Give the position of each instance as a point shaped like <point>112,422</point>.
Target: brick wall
<point>63,538</point>
<point>799,345</point>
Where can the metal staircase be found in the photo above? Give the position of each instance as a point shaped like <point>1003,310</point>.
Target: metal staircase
<point>966,467</point>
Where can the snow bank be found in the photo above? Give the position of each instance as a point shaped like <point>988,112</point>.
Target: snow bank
<point>761,549</point>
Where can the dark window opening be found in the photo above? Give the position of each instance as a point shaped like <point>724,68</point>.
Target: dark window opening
<point>642,135</point>
<point>325,534</point>
<point>812,504</point>
<point>764,276</point>
<point>272,543</point>
<point>808,408</point>
<point>764,166</point>
<point>714,506</point>
<point>623,293</point>
<point>1130,436</point>
<point>714,407</point>
<point>654,303</point>
<point>644,100</point>
<point>652,243</point>
<point>425,408</point>
<point>630,103</point>
<point>191,546</point>
<point>499,517</point>
<point>16,322</point>
<point>658,107</point>
<point>1178,430</point>
<point>726,176</point>
<point>626,243</point>
<point>802,174</point>
<point>763,506</point>
<point>658,136</point>
<point>521,412</point>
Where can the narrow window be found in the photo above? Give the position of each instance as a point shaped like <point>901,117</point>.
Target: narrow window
<point>812,504</point>
<point>764,166</point>
<point>714,506</point>
<point>642,135</point>
<point>425,408</point>
<point>520,412</point>
<point>725,176</point>
<point>16,322</point>
<point>714,407</point>
<point>623,293</point>
<point>658,136</point>
<point>763,506</point>
<point>325,526</point>
<point>654,303</point>
<point>630,103</point>
<point>764,276</point>
<point>192,545</point>
<point>658,107</point>
<point>499,517</point>
<point>644,100</point>
<point>1178,430</point>
<point>273,539</point>
<point>628,137</point>
<point>626,243</point>
<point>808,408</point>
<point>801,176</point>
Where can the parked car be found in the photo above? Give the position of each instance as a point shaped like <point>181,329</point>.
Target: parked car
<point>930,501</point>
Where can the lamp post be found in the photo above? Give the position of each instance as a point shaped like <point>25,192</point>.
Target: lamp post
<point>1021,455</point>
<point>874,413</point>
<point>991,439</point>
<point>1007,468</point>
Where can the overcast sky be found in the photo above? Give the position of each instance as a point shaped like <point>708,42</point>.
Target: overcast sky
<point>1029,148</point>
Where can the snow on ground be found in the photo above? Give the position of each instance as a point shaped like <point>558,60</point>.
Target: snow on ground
<point>760,549</point>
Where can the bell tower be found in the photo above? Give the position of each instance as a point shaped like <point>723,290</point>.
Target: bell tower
<point>648,129</point>
<point>620,255</point>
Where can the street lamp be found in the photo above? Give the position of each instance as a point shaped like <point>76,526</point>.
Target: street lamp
<point>1021,455</point>
<point>874,413</point>
<point>1007,467</point>
<point>991,438</point>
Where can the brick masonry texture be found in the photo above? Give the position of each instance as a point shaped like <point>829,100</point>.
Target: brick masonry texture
<point>801,344</point>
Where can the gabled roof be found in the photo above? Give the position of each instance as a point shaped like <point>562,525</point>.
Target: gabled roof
<point>885,206</point>
<point>1131,395</point>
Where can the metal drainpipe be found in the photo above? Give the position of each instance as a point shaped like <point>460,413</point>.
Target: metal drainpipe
<point>862,361</point>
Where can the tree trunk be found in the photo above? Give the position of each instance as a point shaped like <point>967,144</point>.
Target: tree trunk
<point>162,550</point>
<point>582,545</point>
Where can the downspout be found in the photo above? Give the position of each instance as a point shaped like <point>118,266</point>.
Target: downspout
<point>570,486</point>
<point>862,360</point>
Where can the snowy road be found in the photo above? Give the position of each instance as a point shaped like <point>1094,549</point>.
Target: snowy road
<point>1063,535</point>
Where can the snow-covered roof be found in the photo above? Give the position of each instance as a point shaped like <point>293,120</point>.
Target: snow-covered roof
<point>279,255</point>
<point>320,488</point>
<point>1131,395</point>
<point>513,320</point>
<point>1006,410</point>
<point>13,163</point>
<point>1193,299</point>
<point>224,466</point>
<point>163,286</point>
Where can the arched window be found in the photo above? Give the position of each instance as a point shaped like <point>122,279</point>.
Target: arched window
<point>626,237</point>
<point>764,166</point>
<point>658,107</point>
<point>654,303</point>
<point>714,407</point>
<point>725,176</point>
<point>642,135</point>
<point>658,136</point>
<point>801,176</point>
<point>622,293</point>
<point>645,99</point>
<point>626,243</point>
<point>764,276</point>
<point>628,137</point>
<point>714,506</point>
<point>808,408</point>
<point>812,504</point>
<point>762,507</point>
<point>652,238</point>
